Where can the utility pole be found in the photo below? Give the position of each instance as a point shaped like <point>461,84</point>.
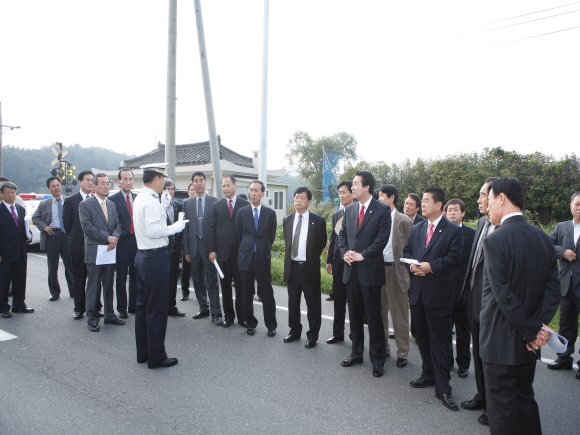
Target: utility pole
<point>213,142</point>
<point>171,90</point>
<point>263,157</point>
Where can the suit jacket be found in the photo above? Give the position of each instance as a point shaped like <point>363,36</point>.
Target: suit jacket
<point>250,237</point>
<point>443,254</point>
<point>189,236</point>
<point>459,274</point>
<point>122,211</point>
<point>42,218</point>
<point>563,239</point>
<point>315,243</point>
<point>333,254</point>
<point>475,297</point>
<point>418,219</point>
<point>223,238</point>
<point>96,227</point>
<point>72,224</point>
<point>402,226</point>
<point>174,240</point>
<point>521,290</point>
<point>369,240</point>
<point>13,245</point>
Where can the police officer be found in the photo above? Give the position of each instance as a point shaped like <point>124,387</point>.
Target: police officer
<point>152,265</point>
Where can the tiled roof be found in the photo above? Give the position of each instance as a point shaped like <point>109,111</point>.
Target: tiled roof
<point>189,154</point>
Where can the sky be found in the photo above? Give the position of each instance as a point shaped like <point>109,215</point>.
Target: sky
<point>407,79</point>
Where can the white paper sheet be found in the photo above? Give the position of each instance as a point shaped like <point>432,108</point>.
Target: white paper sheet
<point>104,256</point>
<point>219,270</point>
<point>409,260</point>
<point>557,342</point>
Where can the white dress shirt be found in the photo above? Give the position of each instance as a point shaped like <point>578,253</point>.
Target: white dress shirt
<point>303,235</point>
<point>150,221</point>
<point>388,251</point>
<point>55,223</point>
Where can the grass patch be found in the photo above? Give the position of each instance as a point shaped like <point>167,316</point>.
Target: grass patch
<point>277,271</point>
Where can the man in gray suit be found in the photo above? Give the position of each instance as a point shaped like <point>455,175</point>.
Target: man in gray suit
<point>565,237</point>
<point>101,226</point>
<point>48,218</point>
<point>198,209</point>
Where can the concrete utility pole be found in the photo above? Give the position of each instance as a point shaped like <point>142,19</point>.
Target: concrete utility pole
<point>171,90</point>
<point>263,157</point>
<point>213,142</point>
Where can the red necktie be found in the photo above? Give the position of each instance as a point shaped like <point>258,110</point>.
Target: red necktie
<point>361,215</point>
<point>230,208</point>
<point>429,234</point>
<point>130,208</point>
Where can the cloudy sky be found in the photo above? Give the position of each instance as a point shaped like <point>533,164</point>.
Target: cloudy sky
<point>407,79</point>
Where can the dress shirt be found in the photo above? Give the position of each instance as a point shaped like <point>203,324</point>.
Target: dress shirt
<point>84,195</point>
<point>517,213</point>
<point>10,205</point>
<point>202,203</point>
<point>366,204</point>
<point>303,235</point>
<point>259,210</point>
<point>101,201</point>
<point>576,232</point>
<point>54,221</point>
<point>388,251</point>
<point>435,223</point>
<point>234,198</point>
<point>150,221</point>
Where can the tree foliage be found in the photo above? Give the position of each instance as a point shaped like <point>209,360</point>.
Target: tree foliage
<point>305,154</point>
<point>29,168</point>
<point>548,182</point>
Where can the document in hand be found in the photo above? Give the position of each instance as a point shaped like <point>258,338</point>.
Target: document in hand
<point>409,260</point>
<point>104,256</point>
<point>556,342</point>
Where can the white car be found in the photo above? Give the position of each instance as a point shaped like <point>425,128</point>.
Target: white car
<point>31,201</point>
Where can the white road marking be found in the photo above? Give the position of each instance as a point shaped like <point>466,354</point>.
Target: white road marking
<point>4,336</point>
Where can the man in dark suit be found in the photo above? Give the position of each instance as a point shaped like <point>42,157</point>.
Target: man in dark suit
<point>335,264</point>
<point>256,230</point>
<point>76,238</point>
<point>48,217</point>
<point>437,245</point>
<point>411,208</point>
<point>520,296</point>
<point>223,247</point>
<point>366,227</point>
<point>172,209</point>
<point>186,265</point>
<point>565,238</point>
<point>455,211</point>
<point>197,210</point>
<point>127,246</point>
<point>471,294</point>
<point>13,252</point>
<point>305,238</point>
<point>395,292</point>
<point>101,226</point>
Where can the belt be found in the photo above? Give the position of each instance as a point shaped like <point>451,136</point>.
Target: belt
<point>301,263</point>
<point>56,229</point>
<point>389,263</point>
<point>164,248</point>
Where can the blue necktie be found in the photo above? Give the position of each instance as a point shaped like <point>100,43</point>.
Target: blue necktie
<point>59,207</point>
<point>255,223</point>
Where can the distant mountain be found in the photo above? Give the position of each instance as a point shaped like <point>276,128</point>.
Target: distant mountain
<point>30,168</point>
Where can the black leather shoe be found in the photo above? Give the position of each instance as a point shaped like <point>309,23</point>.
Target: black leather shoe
<point>391,336</point>
<point>217,319</point>
<point>243,323</point>
<point>378,371</point>
<point>330,298</point>
<point>167,363</point>
<point>93,327</point>
<point>310,344</point>
<point>462,373</point>
<point>228,323</point>
<point>272,332</point>
<point>334,339</point>
<point>560,365</point>
<point>78,315</point>
<point>201,314</point>
<point>349,362</point>
<point>24,310</point>
<point>448,401</point>
<point>54,298</point>
<point>422,383</point>
<point>6,315</point>
<point>114,322</point>
<point>483,419</point>
<point>177,313</point>
<point>99,314</point>
<point>123,314</point>
<point>291,338</point>
<point>472,405</point>
<point>184,298</point>
<point>401,362</point>
<point>251,331</point>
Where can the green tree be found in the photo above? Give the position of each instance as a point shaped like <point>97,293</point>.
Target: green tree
<point>305,154</point>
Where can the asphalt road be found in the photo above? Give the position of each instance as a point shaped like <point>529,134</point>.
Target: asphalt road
<point>57,377</point>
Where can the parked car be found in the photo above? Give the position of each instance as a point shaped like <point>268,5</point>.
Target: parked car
<point>31,201</point>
